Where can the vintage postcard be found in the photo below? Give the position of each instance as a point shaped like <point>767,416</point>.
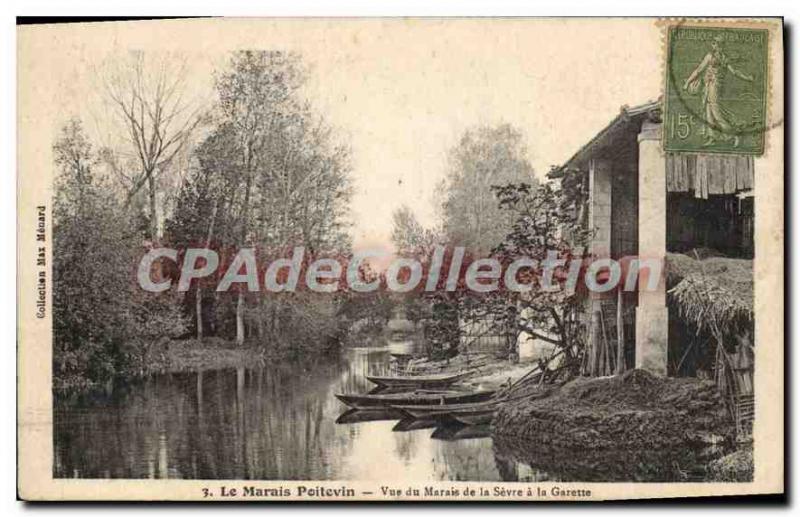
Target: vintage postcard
<point>400,259</point>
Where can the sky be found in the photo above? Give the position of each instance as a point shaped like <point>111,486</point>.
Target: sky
<point>401,92</point>
<point>404,105</point>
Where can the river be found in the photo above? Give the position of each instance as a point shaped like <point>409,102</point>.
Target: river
<point>276,422</point>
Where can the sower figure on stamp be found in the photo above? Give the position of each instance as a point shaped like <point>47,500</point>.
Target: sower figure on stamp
<point>714,68</point>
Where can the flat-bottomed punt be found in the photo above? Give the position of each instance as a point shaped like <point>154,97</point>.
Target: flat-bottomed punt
<point>413,398</point>
<point>440,380</point>
<point>439,411</point>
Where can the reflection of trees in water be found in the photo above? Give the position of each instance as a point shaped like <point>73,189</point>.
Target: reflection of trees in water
<point>283,432</point>
<point>506,468</point>
<point>465,460</point>
<point>101,441</point>
<point>406,445</point>
<point>603,465</point>
<point>353,379</point>
<point>270,423</point>
<point>245,424</point>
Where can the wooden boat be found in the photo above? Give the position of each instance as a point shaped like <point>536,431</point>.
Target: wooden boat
<point>442,410</point>
<point>411,398</point>
<point>440,380</point>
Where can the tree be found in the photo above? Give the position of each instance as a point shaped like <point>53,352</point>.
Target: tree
<point>103,324</point>
<point>541,220</point>
<point>256,96</point>
<point>148,95</point>
<point>304,192</point>
<point>204,205</point>
<point>268,175</point>
<point>408,235</point>
<point>484,157</point>
<point>411,239</point>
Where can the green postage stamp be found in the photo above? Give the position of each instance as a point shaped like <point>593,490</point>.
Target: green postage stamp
<point>716,90</point>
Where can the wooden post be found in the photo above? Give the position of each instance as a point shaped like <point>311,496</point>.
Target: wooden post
<point>620,334</point>
<point>594,365</point>
<point>605,361</point>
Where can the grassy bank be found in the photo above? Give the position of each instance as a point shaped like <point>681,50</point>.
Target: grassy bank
<point>210,354</point>
<point>168,356</point>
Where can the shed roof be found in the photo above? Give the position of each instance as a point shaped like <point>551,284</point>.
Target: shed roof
<point>628,119</point>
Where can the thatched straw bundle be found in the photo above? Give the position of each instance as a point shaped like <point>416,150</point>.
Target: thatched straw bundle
<point>717,289</point>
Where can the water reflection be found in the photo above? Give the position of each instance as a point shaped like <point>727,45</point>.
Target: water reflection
<point>283,422</point>
<point>278,422</point>
<point>679,464</point>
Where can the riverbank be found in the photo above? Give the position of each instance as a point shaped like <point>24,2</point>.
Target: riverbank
<point>636,425</point>
<point>636,409</point>
<point>174,356</point>
<point>211,353</point>
<point>633,419</point>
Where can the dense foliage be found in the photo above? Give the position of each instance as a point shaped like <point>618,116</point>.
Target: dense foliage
<point>267,175</point>
<point>104,324</point>
<point>484,157</point>
<point>256,167</point>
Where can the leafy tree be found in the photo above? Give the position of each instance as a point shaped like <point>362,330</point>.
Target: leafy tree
<point>484,157</point>
<point>103,323</point>
<point>541,222</point>
<point>268,175</point>
<point>204,214</point>
<point>408,235</point>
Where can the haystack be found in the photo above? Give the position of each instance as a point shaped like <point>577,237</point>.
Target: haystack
<point>715,296</point>
<point>716,289</point>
